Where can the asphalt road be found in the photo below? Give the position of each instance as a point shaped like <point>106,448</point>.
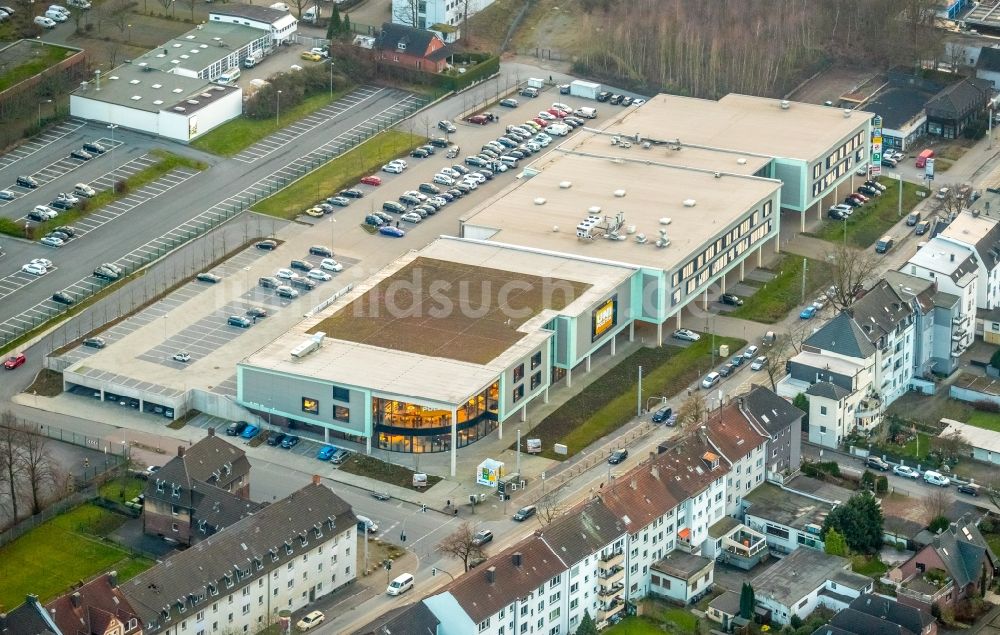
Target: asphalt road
<point>157,217</point>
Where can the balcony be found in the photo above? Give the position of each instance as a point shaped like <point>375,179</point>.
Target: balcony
<point>612,559</point>
<point>744,548</point>
<point>928,588</point>
<point>610,575</point>
<point>608,610</point>
<point>607,593</point>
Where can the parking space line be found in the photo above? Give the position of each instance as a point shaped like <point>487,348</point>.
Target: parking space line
<point>46,139</point>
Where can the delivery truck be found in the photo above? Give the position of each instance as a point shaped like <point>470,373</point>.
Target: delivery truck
<point>588,90</point>
<point>923,156</point>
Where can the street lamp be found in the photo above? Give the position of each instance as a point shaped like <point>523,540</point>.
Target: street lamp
<point>130,33</point>
<point>277,109</point>
<point>47,101</point>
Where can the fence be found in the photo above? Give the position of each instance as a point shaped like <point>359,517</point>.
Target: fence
<point>137,260</point>
<point>545,54</point>
<point>97,444</point>
<point>50,512</point>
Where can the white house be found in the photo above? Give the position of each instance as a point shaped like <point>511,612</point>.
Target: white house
<point>804,580</point>
<point>980,236</point>
<point>787,518</point>
<point>280,25</point>
<point>432,12</point>
<point>285,556</point>
<point>956,271</point>
<point>682,577</point>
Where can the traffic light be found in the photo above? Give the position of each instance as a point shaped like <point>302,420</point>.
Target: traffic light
<point>501,488</point>
<point>434,571</point>
<point>388,565</point>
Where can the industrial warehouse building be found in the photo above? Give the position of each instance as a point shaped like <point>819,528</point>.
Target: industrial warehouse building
<point>168,91</point>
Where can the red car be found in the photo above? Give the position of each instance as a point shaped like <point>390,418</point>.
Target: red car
<point>372,180</point>
<point>541,122</point>
<point>555,112</point>
<point>479,119</point>
<point>14,361</point>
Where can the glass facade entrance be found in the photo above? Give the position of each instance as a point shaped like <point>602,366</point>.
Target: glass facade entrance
<point>407,427</point>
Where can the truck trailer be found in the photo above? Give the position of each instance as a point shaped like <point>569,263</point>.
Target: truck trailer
<point>580,88</point>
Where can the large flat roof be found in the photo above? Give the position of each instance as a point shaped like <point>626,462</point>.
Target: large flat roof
<point>788,508</point>
<point>652,192</point>
<point>443,359</point>
<point>200,47</point>
<point>743,123</point>
<point>152,90</point>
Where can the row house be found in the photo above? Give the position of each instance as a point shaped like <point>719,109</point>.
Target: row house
<point>648,531</point>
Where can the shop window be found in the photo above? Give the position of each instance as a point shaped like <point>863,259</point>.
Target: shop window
<point>518,393</point>
<point>310,405</point>
<point>536,380</point>
<point>536,360</point>
<point>341,413</point>
<point>519,372</point>
<point>341,394</point>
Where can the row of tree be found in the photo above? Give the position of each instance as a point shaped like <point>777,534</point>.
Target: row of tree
<point>29,475</point>
<point>757,47</point>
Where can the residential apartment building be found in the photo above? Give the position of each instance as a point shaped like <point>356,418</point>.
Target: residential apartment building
<point>431,13</point>
<point>781,422</point>
<point>203,489</point>
<point>284,556</point>
<point>980,236</point>
<point>855,365</point>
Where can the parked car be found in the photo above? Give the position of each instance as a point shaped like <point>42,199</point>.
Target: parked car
<point>95,342</point>
<point>447,126</point>
<point>352,193</point>
<point>936,478</point>
<point>290,441</point>
<point>94,148</point>
<point>808,313</point>
<point>731,299</point>
<point>331,265</point>
<point>238,320</point>
<point>759,363</point>
<point>314,618</point>
<point>26,181</point>
<point>617,457</point>
<point>393,232</point>
<point>906,472</point>
<point>529,91</point>
<point>478,119</point>
<point>508,103</point>
<point>14,361</point>
<point>44,22</point>
<point>711,379</point>
<point>686,335</point>
<point>81,154</point>
<point>275,438</point>
<point>236,428</point>
<point>662,414</point>
<point>373,180</point>
<point>482,537</point>
<point>969,488</point>
<point>325,452</point>
<point>922,227</point>
<point>267,245</point>
<point>750,352</point>
<point>877,463</point>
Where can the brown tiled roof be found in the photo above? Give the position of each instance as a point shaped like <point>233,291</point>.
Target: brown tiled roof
<point>97,603</point>
<point>583,531</point>
<point>481,598</point>
<point>640,496</point>
<point>730,431</point>
<point>687,473</point>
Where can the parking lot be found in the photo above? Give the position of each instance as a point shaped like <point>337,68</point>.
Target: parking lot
<point>307,124</point>
<point>40,141</point>
<point>57,169</point>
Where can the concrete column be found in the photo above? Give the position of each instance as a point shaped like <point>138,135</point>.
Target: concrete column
<point>760,256</point>
<point>802,221</point>
<point>819,210</point>
<point>545,395</point>
<point>524,412</point>
<point>454,441</point>
<point>704,300</point>
<point>368,445</point>
<point>142,404</point>
<point>569,377</point>
<point>500,435</point>
<point>326,435</point>
<point>614,342</point>
<point>723,283</point>
<point>588,363</point>
<point>659,330</point>
<point>631,331</point>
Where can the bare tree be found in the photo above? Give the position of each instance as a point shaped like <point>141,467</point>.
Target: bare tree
<point>116,13</point>
<point>461,544</point>
<point>38,466</point>
<point>300,7</point>
<point>951,446</point>
<point>777,359</point>
<point>10,458</point>
<point>549,507</point>
<point>954,198</point>
<point>851,272</point>
<point>935,504</point>
<point>693,409</point>
<point>406,12</point>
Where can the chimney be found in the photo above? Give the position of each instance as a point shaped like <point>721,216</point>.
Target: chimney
<point>211,432</point>
<point>633,485</point>
<point>655,471</point>
<point>953,257</point>
<point>180,451</point>
<point>317,479</point>
<point>703,433</point>
<point>113,579</point>
<point>515,558</point>
<point>491,575</point>
<point>75,599</point>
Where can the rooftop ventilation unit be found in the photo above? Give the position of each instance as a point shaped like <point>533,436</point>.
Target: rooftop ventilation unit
<point>594,210</point>
<point>601,227</point>
<point>847,113</point>
<point>619,193</point>
<point>665,220</point>
<point>641,239</point>
<point>662,241</point>
<point>690,202</point>
<point>565,185</point>
<point>785,104</point>
<point>741,161</point>
<point>309,346</point>
<point>539,201</point>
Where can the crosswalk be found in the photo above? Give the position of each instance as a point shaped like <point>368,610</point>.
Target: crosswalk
<point>40,141</point>
<point>307,124</point>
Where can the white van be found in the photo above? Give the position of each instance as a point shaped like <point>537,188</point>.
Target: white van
<point>280,6</point>
<point>400,585</point>
<point>586,112</point>
<point>936,478</point>
<point>252,59</point>
<point>366,524</point>
<point>310,14</point>
<point>82,189</point>
<point>509,161</point>
<point>229,77</point>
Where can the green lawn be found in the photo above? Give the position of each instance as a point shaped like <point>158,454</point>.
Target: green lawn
<point>232,137</point>
<point>167,162</point>
<point>871,221</point>
<point>112,490</point>
<point>775,299</point>
<point>51,557</point>
<point>681,621</point>
<point>994,541</point>
<point>343,171</point>
<point>46,55</point>
<point>918,448</point>
<point>871,567</point>
<point>610,401</point>
<point>988,420</point>
<point>382,471</point>
<point>636,626</point>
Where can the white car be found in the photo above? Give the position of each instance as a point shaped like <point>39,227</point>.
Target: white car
<point>33,269</point>
<point>411,217</point>
<point>41,262</point>
<point>476,176</point>
<point>286,274</point>
<point>452,172</point>
<point>47,212</point>
<point>6,195</point>
<point>711,379</point>
<point>52,241</point>
<point>318,274</point>
<point>309,621</point>
<point>546,116</point>
<point>560,106</point>
<point>638,102</point>
<point>392,168</point>
<point>437,200</point>
<point>750,353</point>
<point>331,265</point>
<point>55,16</point>
<point>444,179</point>
<point>420,196</point>
<point>687,335</point>
<point>182,357</point>
<point>472,184</point>
<point>59,8</point>
<point>44,22</point>
<point>759,363</point>
<point>69,198</point>
<point>936,478</point>
<point>906,472</point>
<point>543,141</point>
<point>401,163</point>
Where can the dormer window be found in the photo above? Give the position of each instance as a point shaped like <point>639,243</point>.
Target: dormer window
<point>288,547</point>
<point>258,563</point>
<point>159,486</point>
<point>274,555</point>
<point>229,580</point>
<point>401,46</point>
<point>175,491</point>
<point>303,538</point>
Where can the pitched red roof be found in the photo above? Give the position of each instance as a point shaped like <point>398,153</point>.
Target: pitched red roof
<point>91,608</point>
<point>730,431</point>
